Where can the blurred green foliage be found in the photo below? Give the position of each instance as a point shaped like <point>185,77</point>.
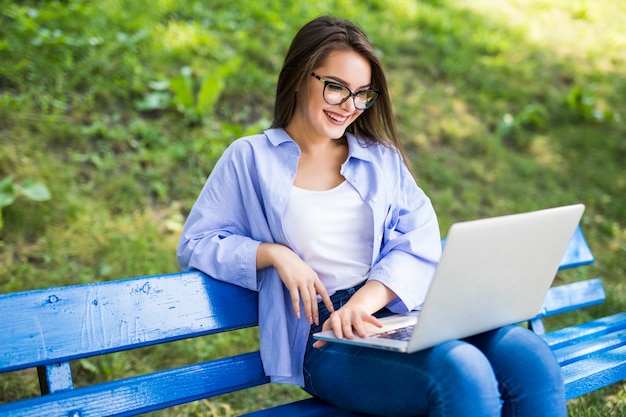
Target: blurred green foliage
<point>10,191</point>
<point>121,108</point>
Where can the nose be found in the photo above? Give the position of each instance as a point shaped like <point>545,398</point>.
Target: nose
<point>348,105</point>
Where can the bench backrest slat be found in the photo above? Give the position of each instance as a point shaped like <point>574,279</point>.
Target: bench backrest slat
<point>572,296</point>
<point>64,323</point>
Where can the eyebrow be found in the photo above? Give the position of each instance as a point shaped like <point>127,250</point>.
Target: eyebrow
<point>340,81</point>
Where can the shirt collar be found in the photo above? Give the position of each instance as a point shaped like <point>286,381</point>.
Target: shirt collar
<point>358,148</point>
<point>276,136</point>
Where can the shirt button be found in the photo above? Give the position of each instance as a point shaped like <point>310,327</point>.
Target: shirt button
<point>374,199</point>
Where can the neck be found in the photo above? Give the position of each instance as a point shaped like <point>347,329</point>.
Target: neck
<point>312,144</point>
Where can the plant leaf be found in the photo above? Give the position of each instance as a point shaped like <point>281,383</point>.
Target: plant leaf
<point>182,87</point>
<point>89,366</point>
<point>158,100</point>
<point>159,85</point>
<point>210,91</point>
<point>35,191</point>
<point>7,192</point>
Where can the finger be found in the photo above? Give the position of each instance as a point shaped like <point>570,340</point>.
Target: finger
<point>334,322</point>
<point>308,305</point>
<point>319,344</point>
<point>347,330</point>
<point>359,328</point>
<point>373,320</point>
<point>321,290</point>
<point>315,315</point>
<point>295,301</point>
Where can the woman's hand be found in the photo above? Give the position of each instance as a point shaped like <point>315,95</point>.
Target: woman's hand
<point>348,321</point>
<point>357,313</point>
<point>300,279</point>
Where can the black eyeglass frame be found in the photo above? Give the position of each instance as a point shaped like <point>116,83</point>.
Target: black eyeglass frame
<point>351,94</point>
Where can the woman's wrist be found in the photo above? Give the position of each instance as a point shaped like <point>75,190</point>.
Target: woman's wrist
<point>373,296</point>
<point>266,255</point>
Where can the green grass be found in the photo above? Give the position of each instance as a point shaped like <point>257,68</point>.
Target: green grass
<point>121,108</point>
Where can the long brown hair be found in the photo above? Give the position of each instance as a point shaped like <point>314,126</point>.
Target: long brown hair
<point>308,50</point>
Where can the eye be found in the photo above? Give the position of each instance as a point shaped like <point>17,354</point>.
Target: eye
<point>369,95</point>
<point>335,88</point>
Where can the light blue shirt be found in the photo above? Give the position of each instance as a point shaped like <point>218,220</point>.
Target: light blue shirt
<point>242,205</point>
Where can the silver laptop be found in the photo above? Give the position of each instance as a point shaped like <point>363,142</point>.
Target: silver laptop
<point>493,272</point>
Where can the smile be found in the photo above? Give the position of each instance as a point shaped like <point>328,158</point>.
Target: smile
<point>336,117</point>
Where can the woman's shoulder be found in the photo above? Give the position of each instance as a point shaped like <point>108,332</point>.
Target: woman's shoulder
<point>260,141</point>
<point>248,142</point>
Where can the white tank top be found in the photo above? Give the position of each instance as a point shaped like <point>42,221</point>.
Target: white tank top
<point>332,231</point>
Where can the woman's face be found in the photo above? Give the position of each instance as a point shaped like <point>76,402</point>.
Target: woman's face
<point>315,118</point>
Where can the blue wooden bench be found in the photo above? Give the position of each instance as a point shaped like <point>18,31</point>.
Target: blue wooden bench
<point>48,329</point>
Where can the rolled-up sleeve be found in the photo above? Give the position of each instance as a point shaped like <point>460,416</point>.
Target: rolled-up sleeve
<point>217,237</point>
<point>411,245</point>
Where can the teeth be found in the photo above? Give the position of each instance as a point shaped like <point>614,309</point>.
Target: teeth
<point>335,118</point>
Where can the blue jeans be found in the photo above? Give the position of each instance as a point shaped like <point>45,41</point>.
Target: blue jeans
<point>505,372</point>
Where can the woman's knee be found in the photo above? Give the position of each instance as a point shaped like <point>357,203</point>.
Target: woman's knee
<point>518,347</point>
<point>462,377</point>
<point>528,373</point>
<point>458,363</point>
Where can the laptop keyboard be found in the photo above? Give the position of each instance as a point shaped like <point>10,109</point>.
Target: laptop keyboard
<point>402,333</point>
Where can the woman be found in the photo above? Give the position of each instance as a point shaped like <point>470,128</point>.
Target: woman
<point>322,217</point>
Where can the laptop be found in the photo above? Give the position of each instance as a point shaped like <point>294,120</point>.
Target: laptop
<point>493,272</point>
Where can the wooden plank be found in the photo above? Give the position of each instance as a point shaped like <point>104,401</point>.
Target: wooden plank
<point>598,371</point>
<point>585,331</point>
<point>578,252</point>
<point>588,348</point>
<point>64,323</point>
<point>55,377</point>
<point>147,393</point>
<point>572,296</point>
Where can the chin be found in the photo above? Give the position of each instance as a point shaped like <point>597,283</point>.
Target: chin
<point>336,133</point>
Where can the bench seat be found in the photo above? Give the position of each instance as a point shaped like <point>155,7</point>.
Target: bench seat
<point>592,355</point>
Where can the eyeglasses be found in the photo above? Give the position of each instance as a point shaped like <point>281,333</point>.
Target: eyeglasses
<point>335,93</point>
